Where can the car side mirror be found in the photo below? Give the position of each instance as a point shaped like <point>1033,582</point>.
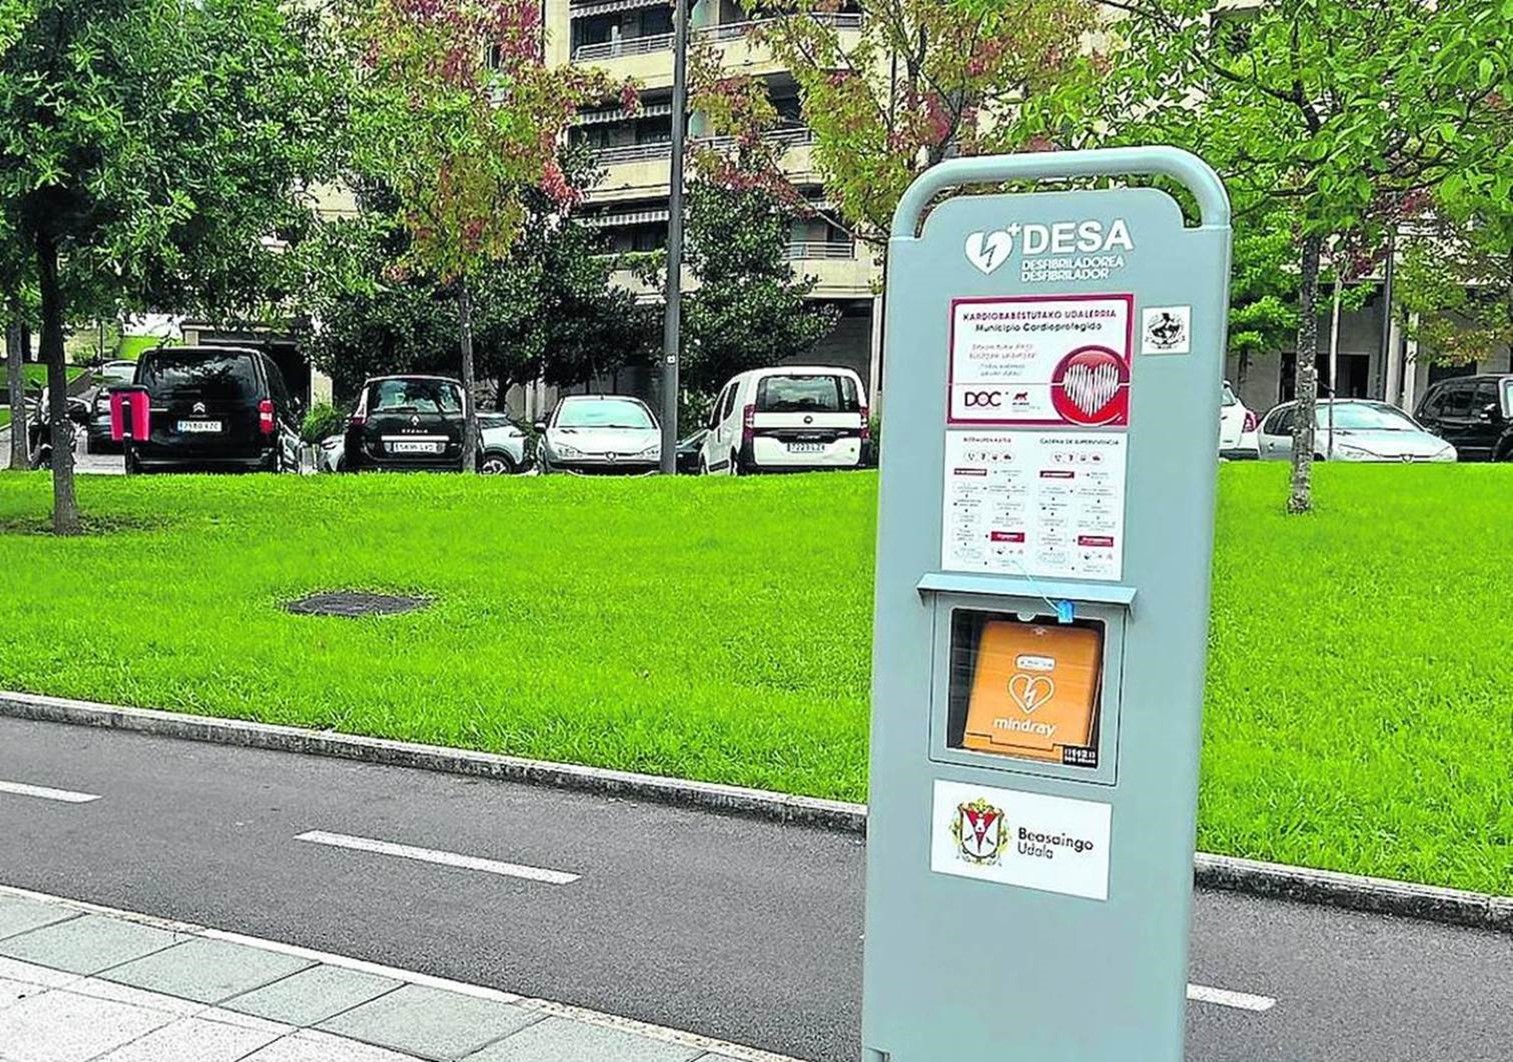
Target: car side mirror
<point>540,426</point>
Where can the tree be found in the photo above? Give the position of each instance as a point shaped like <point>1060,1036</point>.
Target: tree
<point>917,82</point>
<point>15,383</point>
<point>459,115</point>
<point>546,310</point>
<point>1329,111</point>
<point>749,310</point>
<point>152,148</point>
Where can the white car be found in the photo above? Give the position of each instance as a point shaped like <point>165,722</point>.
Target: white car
<point>600,433</point>
<point>1358,430</point>
<point>789,418</point>
<point>1237,428</point>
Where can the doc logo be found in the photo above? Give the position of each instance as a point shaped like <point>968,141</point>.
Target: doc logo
<point>978,830</point>
<point>989,250</point>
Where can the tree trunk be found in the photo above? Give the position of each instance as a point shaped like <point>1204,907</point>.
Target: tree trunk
<point>470,414</point>
<point>15,358</point>
<point>1306,378</point>
<point>65,508</point>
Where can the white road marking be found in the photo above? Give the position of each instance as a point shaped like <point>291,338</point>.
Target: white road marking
<point>1225,998</point>
<point>431,855</point>
<point>64,795</point>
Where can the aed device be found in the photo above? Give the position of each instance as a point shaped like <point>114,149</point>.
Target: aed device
<point>1035,691</point>
<point>1044,544</point>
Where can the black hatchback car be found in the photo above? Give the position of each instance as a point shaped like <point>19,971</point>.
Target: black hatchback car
<point>406,423</point>
<point>214,409</point>
<point>1472,413</point>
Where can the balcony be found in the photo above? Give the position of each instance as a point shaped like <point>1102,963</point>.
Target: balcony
<point>649,59</point>
<point>638,171</point>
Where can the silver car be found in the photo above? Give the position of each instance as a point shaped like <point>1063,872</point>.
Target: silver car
<point>506,449</point>
<point>1353,429</point>
<point>600,433</point>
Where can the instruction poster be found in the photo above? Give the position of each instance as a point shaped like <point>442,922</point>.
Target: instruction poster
<point>1039,503</point>
<point>1044,360</point>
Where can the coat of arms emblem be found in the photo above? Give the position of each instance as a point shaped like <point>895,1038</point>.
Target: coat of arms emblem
<point>979,832</point>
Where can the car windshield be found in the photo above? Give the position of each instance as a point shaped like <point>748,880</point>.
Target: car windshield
<point>120,373</point>
<point>1507,397</point>
<point>414,396</point>
<point>604,413</point>
<point>212,376</point>
<point>806,394</point>
<point>1229,395</point>
<point>1360,416</point>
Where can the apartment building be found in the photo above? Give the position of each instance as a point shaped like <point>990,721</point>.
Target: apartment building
<point>634,39</point>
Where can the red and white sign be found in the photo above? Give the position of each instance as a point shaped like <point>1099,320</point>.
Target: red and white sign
<point>1041,361</point>
<point>1035,502</point>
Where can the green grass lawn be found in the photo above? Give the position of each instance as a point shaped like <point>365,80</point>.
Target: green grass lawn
<point>1360,694</point>
<point>36,375</point>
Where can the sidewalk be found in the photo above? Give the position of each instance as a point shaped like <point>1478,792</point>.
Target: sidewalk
<point>83,984</point>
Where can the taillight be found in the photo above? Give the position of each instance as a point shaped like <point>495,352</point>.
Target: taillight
<point>1252,422</point>
<point>866,425</point>
<point>748,423</point>
<point>265,416</point>
<point>356,420</point>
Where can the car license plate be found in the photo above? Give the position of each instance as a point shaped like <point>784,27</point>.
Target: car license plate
<point>199,427</point>
<point>806,448</point>
<point>416,447</point>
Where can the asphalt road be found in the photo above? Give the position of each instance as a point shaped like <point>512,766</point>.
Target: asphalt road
<point>742,930</point>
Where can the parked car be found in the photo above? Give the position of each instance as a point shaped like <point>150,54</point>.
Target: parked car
<point>97,433</point>
<point>789,418</point>
<point>600,434</point>
<point>690,449</point>
<point>1472,413</point>
<point>406,423</point>
<point>1237,428</point>
<point>504,448</point>
<point>215,409</point>
<point>1362,431</point>
<point>39,434</point>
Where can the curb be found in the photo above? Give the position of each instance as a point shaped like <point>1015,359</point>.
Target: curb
<point>1222,873</point>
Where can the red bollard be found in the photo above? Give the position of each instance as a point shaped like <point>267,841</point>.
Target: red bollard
<point>128,413</point>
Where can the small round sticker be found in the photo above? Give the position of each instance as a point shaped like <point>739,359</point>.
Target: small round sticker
<point>1091,386</point>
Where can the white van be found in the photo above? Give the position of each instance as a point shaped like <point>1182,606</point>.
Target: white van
<point>791,417</point>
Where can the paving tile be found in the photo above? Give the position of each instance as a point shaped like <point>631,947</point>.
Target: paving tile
<point>430,1022</point>
<point>311,1046</point>
<point>565,1040</point>
<point>207,970</point>
<point>31,973</point>
<point>311,996</point>
<point>63,1027</point>
<point>18,915</point>
<point>88,944</point>
<point>192,1040</point>
<point>99,989</point>
<point>13,992</point>
<point>245,1021</point>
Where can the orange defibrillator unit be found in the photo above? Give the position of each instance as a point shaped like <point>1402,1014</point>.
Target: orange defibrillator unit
<point>1035,691</point>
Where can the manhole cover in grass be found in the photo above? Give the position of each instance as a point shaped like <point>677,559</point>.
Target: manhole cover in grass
<point>355,603</point>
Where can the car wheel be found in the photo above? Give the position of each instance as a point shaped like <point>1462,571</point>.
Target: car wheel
<point>1504,454</point>
<point>734,468</point>
<point>496,464</point>
<point>703,469</point>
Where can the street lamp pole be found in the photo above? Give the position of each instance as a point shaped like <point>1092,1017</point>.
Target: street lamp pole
<point>672,319</point>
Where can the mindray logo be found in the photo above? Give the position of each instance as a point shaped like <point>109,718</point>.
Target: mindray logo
<point>989,250</point>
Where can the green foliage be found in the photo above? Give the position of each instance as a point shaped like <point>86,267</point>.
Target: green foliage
<point>546,309</point>
<point>1361,753</point>
<point>750,310</point>
<point>918,81</point>
<point>157,145</point>
<point>322,421</point>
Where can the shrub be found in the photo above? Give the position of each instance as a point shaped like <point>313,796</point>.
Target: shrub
<point>323,420</point>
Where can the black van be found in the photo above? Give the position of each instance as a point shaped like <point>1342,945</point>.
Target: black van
<point>1472,413</point>
<point>215,409</point>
